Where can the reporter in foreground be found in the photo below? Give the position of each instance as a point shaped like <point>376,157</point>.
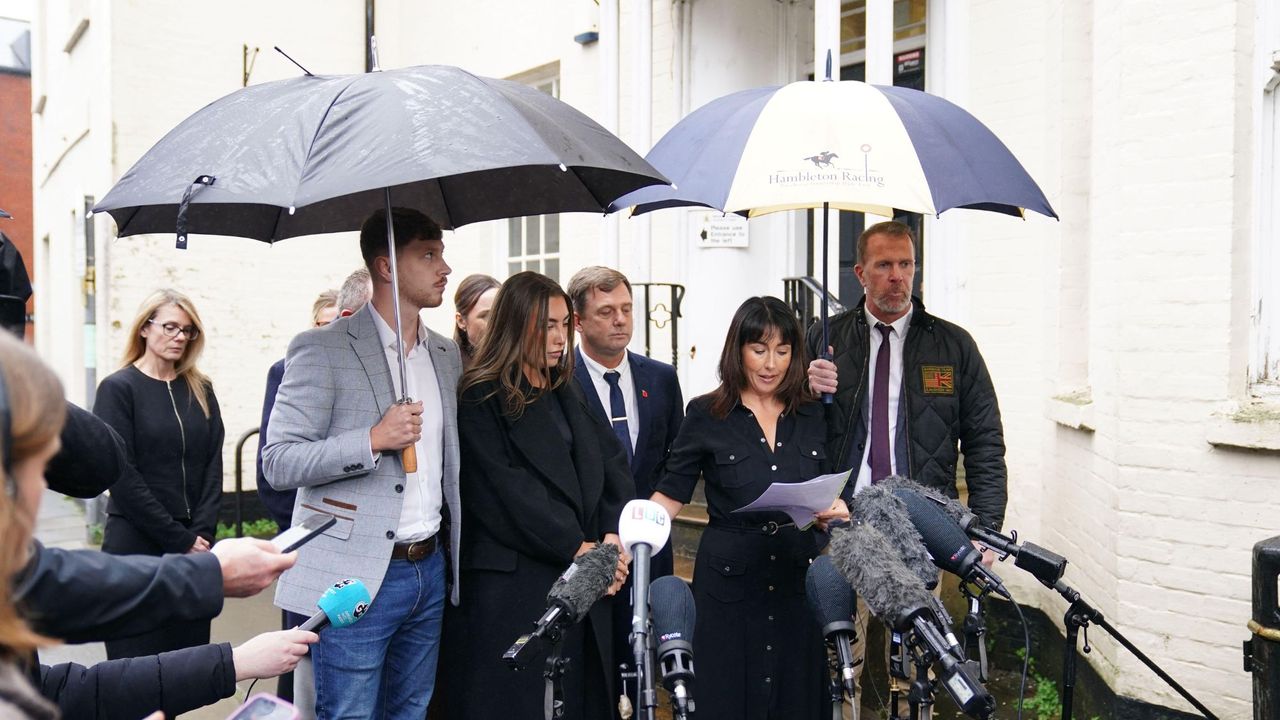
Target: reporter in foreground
<point>32,411</point>
<point>89,596</point>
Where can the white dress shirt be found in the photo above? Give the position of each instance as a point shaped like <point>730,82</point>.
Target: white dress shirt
<point>625,381</point>
<point>897,337</point>
<point>420,513</point>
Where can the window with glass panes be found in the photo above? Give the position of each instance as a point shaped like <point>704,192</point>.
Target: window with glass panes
<point>533,243</point>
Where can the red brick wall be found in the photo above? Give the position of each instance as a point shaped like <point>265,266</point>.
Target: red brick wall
<point>15,164</point>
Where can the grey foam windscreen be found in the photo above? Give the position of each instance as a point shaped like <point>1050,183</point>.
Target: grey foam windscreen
<point>878,507</point>
<point>591,576</point>
<point>871,565</point>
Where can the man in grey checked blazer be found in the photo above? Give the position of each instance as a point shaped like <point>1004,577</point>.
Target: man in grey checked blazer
<point>336,434</point>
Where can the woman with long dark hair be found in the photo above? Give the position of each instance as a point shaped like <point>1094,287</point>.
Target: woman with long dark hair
<point>543,481</point>
<point>473,302</point>
<point>760,652</point>
<point>165,410</point>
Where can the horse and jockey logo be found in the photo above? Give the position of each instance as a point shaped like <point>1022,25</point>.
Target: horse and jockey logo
<point>826,173</point>
<point>822,159</point>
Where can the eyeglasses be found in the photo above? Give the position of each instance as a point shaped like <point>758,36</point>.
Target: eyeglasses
<point>172,329</point>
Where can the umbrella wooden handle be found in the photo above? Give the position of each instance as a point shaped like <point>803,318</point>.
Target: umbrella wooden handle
<point>409,458</point>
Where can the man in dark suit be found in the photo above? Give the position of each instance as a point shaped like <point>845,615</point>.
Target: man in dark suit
<point>638,396</point>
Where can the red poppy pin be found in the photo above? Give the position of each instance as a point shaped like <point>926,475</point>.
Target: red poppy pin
<point>644,393</point>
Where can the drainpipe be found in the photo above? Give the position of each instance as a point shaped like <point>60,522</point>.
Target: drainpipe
<point>609,110</point>
<point>644,129</point>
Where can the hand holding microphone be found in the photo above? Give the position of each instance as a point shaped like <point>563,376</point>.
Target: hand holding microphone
<point>271,654</point>
<point>574,592</point>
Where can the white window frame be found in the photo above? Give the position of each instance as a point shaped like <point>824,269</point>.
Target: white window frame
<point>545,257</point>
<point>1264,335</point>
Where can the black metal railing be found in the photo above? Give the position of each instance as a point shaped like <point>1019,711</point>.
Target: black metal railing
<point>803,295</point>
<point>659,314</point>
<point>240,479</point>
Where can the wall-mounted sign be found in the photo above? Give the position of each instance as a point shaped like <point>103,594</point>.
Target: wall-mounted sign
<point>908,61</point>
<point>715,229</point>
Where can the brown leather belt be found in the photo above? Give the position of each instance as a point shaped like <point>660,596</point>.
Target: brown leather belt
<point>414,551</point>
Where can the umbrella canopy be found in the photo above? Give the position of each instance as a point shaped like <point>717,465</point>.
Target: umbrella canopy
<point>316,154</point>
<point>854,146</point>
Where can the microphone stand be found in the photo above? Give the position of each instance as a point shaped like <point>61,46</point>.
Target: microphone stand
<point>897,670</point>
<point>1048,567</point>
<point>1077,618</point>
<point>975,630</point>
<point>553,672</point>
<point>837,659</point>
<point>920,698</point>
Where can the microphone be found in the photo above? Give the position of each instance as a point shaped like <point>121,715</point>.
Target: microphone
<point>643,527</point>
<point>674,616</point>
<point>878,507</point>
<point>946,541</point>
<point>833,603</point>
<point>340,605</point>
<point>571,596</point>
<point>1047,566</point>
<point>895,594</point>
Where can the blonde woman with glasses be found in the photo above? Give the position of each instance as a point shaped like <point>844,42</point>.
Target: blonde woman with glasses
<point>165,410</point>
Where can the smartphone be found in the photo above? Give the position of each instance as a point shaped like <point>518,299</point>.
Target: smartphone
<point>264,706</point>
<point>301,533</point>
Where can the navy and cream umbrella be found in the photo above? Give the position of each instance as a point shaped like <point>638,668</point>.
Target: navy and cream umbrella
<point>848,145</point>
<point>845,145</point>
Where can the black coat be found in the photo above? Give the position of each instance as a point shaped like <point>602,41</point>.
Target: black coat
<point>529,501</point>
<point>176,492</point>
<point>88,596</point>
<point>949,406</point>
<point>175,682</point>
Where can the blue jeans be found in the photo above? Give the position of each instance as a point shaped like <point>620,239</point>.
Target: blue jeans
<point>384,665</point>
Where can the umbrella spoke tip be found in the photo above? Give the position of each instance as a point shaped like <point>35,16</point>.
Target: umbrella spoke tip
<point>563,168</point>
<point>292,209</point>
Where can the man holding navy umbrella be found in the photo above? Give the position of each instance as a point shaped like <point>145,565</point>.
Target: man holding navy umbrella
<point>908,387</point>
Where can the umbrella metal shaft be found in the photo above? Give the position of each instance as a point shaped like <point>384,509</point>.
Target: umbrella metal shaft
<point>825,353</point>
<point>409,456</point>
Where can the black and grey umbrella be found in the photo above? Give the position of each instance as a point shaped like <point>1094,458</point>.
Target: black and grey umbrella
<point>319,154</point>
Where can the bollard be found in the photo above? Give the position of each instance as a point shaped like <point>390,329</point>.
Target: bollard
<point>1262,651</point>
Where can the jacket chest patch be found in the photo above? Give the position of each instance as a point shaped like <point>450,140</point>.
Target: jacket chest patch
<point>938,379</point>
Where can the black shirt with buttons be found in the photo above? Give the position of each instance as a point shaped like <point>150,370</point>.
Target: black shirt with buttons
<point>734,457</point>
<point>760,652</point>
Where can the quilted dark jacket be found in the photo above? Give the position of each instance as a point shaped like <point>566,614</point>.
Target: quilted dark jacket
<point>950,407</point>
